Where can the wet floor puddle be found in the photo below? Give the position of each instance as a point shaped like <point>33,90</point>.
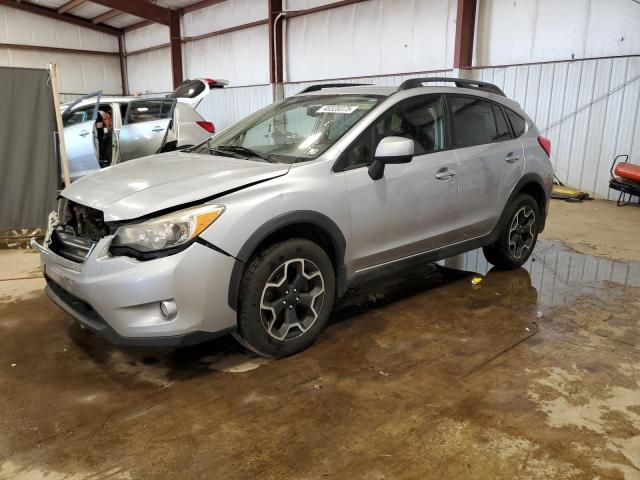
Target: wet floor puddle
<point>530,374</point>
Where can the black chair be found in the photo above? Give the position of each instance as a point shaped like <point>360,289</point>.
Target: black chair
<point>623,185</point>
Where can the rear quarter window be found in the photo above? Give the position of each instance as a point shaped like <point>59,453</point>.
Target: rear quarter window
<point>518,124</point>
<point>147,111</point>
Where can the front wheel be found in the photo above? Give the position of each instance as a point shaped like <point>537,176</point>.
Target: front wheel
<point>286,295</point>
<point>518,237</point>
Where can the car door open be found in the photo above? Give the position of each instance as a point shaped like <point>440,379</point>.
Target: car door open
<point>145,127</point>
<point>80,136</point>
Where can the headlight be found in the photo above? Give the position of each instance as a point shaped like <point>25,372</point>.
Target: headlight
<point>167,231</point>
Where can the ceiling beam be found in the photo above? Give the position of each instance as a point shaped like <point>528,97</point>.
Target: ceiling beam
<point>106,16</point>
<point>70,5</point>
<point>45,48</point>
<point>139,8</point>
<point>199,5</point>
<point>65,17</point>
<point>136,26</point>
<point>322,8</point>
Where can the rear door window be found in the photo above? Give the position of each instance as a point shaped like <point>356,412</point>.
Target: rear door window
<point>79,116</point>
<point>517,123</point>
<point>473,121</point>
<point>149,110</point>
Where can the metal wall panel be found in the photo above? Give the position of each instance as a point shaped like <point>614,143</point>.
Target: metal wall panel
<point>146,37</point>
<point>223,15</point>
<point>76,72</point>
<point>240,57</point>
<point>24,28</point>
<point>150,72</point>
<point>369,38</point>
<point>544,30</point>
<point>587,108</point>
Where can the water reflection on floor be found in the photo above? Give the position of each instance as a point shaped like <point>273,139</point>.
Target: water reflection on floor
<point>556,272</point>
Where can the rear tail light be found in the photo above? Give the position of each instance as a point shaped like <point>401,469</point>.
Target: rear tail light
<point>208,126</point>
<point>545,143</point>
<point>216,83</point>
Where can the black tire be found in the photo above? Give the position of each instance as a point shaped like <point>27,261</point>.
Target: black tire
<point>273,331</point>
<point>514,247</point>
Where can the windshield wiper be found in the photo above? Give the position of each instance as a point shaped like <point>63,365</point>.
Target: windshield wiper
<point>226,153</point>
<point>245,151</point>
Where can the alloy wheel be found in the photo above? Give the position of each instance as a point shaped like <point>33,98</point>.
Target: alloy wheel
<point>292,299</point>
<point>522,232</point>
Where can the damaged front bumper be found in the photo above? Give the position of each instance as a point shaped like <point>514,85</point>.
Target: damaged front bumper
<point>171,301</point>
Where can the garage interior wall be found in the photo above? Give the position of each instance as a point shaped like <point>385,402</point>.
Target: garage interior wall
<point>148,72</point>
<point>77,72</point>
<point>583,91</point>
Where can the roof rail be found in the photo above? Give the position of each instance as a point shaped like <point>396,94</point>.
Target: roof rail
<point>322,86</point>
<point>460,82</point>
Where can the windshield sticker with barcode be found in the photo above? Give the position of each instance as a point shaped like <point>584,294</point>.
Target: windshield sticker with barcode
<point>338,109</point>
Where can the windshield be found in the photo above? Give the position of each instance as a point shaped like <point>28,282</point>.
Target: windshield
<point>294,130</point>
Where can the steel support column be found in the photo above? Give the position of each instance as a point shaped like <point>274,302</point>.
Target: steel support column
<point>176,48</point>
<point>275,42</point>
<point>465,26</point>
<point>123,65</point>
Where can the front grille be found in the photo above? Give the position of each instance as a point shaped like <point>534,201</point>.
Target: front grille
<point>79,229</point>
<point>70,247</point>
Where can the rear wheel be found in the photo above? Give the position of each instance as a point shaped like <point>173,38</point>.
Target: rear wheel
<point>286,295</point>
<point>518,237</point>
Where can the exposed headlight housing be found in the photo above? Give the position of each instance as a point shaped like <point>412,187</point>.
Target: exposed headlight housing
<point>165,234</point>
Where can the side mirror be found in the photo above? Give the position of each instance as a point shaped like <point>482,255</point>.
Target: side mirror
<point>390,150</point>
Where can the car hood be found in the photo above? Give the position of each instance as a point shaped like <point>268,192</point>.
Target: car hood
<point>150,184</point>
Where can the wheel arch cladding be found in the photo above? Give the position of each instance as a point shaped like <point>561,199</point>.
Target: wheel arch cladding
<point>307,224</point>
<point>533,185</point>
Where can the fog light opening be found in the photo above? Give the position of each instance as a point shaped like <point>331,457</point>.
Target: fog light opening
<point>168,309</point>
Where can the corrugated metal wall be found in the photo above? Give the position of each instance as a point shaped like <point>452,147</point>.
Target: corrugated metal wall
<point>369,38</point>
<point>587,108</point>
<point>148,72</point>
<point>77,72</point>
<point>511,31</point>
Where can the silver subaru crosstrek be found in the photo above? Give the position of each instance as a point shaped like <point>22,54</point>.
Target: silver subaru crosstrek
<point>258,230</point>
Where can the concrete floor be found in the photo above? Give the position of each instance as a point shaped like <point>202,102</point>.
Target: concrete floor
<point>533,374</point>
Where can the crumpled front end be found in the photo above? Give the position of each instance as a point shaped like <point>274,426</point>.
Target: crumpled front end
<point>175,300</point>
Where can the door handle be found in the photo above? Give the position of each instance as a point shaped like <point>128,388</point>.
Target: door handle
<point>84,133</point>
<point>512,157</point>
<point>445,174</point>
<point>157,129</point>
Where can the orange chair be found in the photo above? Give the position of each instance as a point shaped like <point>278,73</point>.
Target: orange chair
<point>625,178</point>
